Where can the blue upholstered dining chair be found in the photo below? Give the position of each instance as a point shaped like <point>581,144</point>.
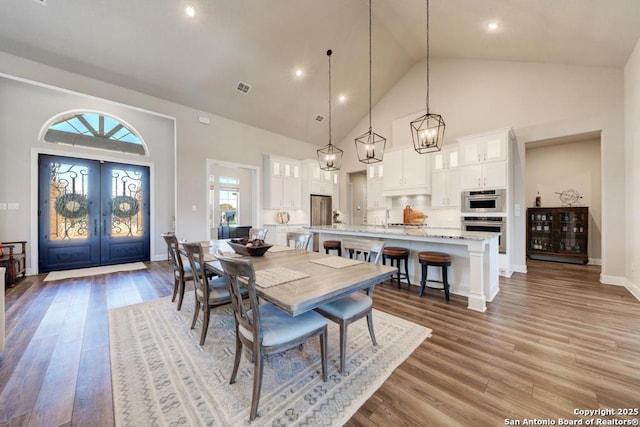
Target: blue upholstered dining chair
<point>264,328</point>
<point>210,292</point>
<point>357,305</point>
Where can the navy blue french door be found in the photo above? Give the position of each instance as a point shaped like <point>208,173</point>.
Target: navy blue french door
<point>91,213</point>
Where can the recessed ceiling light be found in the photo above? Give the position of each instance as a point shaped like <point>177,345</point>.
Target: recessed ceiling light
<point>298,72</point>
<point>190,11</point>
<point>342,98</point>
<point>492,26</point>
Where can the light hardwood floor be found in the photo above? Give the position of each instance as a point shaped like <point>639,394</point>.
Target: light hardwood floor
<point>554,340</point>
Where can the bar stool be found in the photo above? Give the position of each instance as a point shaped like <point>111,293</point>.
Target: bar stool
<point>434,259</point>
<point>394,253</point>
<point>332,245</point>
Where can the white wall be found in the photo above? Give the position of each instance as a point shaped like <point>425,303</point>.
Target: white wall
<point>539,101</point>
<point>632,160</point>
<point>576,165</point>
<point>222,139</point>
<point>26,108</point>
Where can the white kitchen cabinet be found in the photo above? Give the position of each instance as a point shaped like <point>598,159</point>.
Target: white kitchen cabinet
<point>406,172</point>
<point>483,148</point>
<point>375,175</point>
<point>282,183</point>
<point>445,188</point>
<point>487,175</point>
<point>446,158</point>
<point>375,199</point>
<point>375,171</point>
<point>316,180</point>
<point>485,160</point>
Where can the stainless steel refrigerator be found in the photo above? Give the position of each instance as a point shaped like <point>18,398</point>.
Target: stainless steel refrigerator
<point>321,214</point>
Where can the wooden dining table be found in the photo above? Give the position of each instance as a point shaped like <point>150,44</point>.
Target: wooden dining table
<point>323,283</point>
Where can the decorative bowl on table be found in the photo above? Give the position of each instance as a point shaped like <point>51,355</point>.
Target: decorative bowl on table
<point>249,247</point>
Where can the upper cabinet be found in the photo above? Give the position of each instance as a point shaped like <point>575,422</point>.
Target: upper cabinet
<point>484,148</point>
<point>445,188</point>
<point>445,177</point>
<point>447,158</point>
<point>406,172</point>
<point>375,175</point>
<point>316,180</point>
<point>485,159</point>
<point>282,183</point>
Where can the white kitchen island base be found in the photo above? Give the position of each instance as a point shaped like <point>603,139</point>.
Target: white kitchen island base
<point>474,256</point>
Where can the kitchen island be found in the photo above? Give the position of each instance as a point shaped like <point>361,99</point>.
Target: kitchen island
<point>474,267</point>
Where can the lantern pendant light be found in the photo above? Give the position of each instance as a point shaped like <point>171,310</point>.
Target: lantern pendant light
<point>427,131</point>
<point>330,156</point>
<point>370,146</point>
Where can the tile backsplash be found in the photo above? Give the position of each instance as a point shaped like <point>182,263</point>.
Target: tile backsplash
<point>441,217</point>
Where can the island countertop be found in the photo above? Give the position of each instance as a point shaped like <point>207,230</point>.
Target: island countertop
<point>474,268</point>
<point>405,232</point>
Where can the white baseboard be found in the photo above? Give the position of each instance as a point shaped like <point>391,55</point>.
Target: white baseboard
<point>633,288</point>
<point>161,257</point>
<point>505,273</point>
<point>595,261</point>
<point>621,281</point>
<point>491,297</point>
<point>613,280</point>
<point>519,268</point>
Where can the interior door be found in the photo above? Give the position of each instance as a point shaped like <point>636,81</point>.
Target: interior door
<point>91,213</point>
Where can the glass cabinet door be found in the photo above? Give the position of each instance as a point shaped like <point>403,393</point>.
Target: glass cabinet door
<point>541,230</point>
<point>572,231</point>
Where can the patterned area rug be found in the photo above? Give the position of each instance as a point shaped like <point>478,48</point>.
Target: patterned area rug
<point>161,376</point>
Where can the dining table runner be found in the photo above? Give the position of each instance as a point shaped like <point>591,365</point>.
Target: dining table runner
<point>277,275</point>
<point>335,262</point>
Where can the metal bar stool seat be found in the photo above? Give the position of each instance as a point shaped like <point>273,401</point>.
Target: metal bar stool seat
<point>332,245</point>
<point>434,259</point>
<point>397,254</point>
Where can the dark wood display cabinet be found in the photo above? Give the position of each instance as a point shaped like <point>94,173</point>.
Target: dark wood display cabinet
<point>558,234</point>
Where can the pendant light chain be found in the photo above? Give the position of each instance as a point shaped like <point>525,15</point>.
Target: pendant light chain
<point>330,156</point>
<point>370,74</point>
<point>427,56</point>
<point>427,131</point>
<point>329,55</point>
<point>370,146</point>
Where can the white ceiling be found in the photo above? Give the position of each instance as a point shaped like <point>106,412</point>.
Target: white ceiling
<point>151,46</point>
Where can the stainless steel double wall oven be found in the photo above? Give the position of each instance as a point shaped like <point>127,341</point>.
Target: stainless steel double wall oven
<point>486,211</point>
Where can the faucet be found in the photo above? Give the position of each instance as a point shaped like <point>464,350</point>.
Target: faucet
<point>386,219</point>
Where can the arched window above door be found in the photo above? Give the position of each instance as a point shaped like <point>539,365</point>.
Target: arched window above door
<point>94,130</point>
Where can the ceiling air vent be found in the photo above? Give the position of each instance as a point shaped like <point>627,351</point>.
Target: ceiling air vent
<point>243,87</point>
<point>319,118</point>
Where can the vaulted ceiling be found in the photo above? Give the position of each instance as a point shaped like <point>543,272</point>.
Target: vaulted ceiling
<point>153,47</point>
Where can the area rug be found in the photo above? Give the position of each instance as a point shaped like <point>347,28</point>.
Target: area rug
<point>93,271</point>
<point>161,376</point>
